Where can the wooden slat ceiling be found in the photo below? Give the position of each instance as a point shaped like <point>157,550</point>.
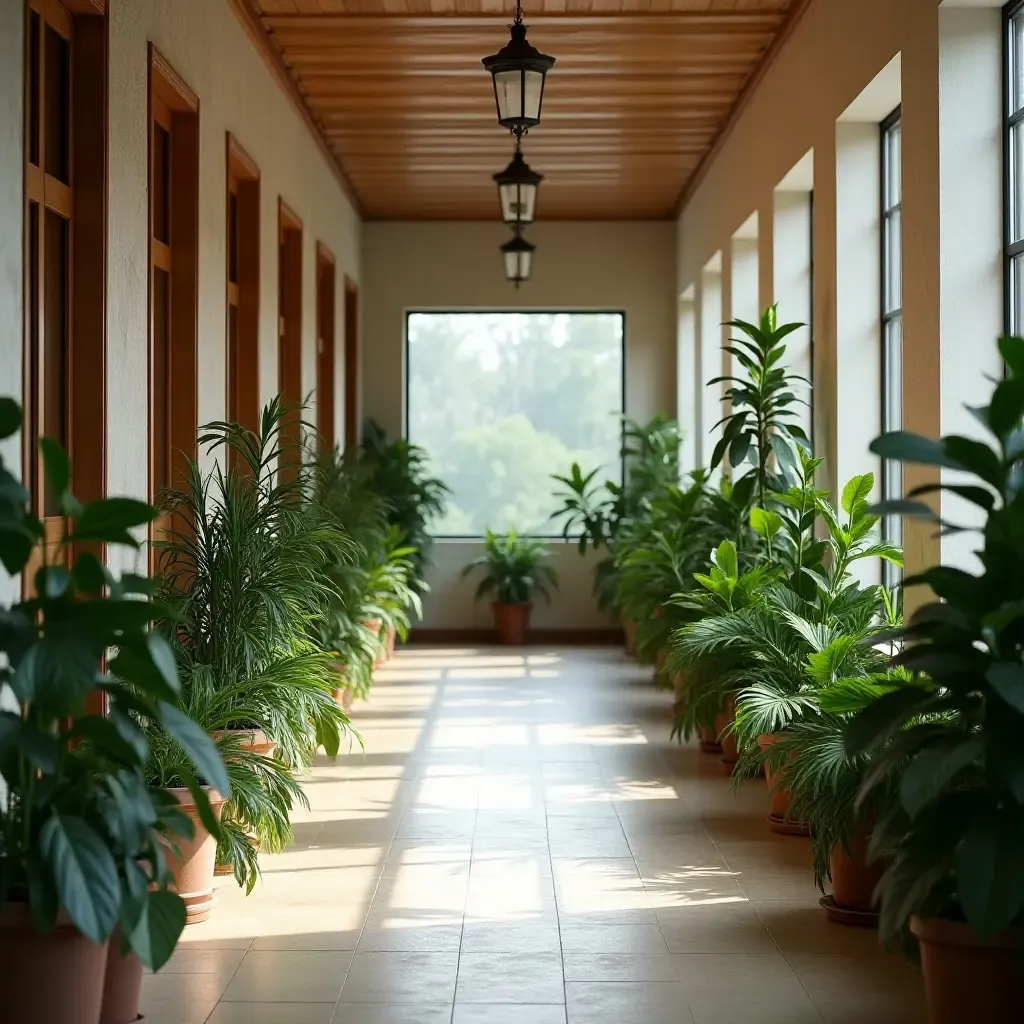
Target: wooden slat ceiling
<point>640,90</point>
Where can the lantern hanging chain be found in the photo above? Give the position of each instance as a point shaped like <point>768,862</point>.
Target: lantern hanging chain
<point>519,12</point>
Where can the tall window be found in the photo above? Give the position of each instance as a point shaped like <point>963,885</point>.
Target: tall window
<point>65,251</point>
<point>243,288</point>
<point>500,401</point>
<point>1014,171</point>
<point>173,268</point>
<point>892,319</point>
<point>289,317</point>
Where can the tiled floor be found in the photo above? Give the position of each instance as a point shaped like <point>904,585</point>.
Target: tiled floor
<point>522,843</point>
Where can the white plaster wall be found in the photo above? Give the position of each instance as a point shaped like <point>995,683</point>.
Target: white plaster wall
<point>592,265</point>
<point>970,174</point>
<point>207,46</point>
<point>836,50</point>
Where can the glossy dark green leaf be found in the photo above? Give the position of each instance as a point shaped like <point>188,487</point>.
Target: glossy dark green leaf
<point>163,658</point>
<point>877,723</point>
<point>85,874</point>
<point>934,768</point>
<point>1006,406</point>
<point>10,418</point>
<point>196,743</point>
<point>159,927</point>
<point>1007,679</point>
<point>42,749</point>
<point>976,457</point>
<point>56,466</point>
<point>16,544</point>
<point>990,882</point>
<point>906,447</point>
<point>1011,348</point>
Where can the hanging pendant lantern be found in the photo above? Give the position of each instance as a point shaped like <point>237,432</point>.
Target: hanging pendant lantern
<point>518,256</point>
<point>518,70</point>
<point>517,190</point>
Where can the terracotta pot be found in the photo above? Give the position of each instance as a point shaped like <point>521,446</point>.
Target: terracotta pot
<point>392,637</point>
<point>512,622</point>
<point>122,986</point>
<point>709,741</point>
<point>779,797</point>
<point>730,752</point>
<point>966,979</point>
<point>854,880</point>
<point>254,740</point>
<point>48,979</point>
<point>193,870</point>
<point>629,628</point>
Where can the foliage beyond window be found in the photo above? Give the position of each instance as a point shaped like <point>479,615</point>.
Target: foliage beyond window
<point>497,399</point>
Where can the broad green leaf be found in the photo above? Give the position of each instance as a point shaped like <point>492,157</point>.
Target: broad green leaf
<point>163,658</point>
<point>1007,679</point>
<point>56,466</point>
<point>201,750</point>
<point>990,882</point>
<point>934,768</point>
<point>725,559</point>
<point>1011,348</point>
<point>1006,407</point>
<point>10,417</point>
<point>976,457</point>
<point>857,491</point>
<point>765,522</point>
<point>906,447</point>
<point>16,544</point>
<point>160,924</point>
<point>85,873</point>
<point>875,724</point>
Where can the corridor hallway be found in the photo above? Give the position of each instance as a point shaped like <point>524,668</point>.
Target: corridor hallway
<point>521,842</point>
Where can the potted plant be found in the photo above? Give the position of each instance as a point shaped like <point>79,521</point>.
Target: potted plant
<point>956,842</point>
<point>245,572</point>
<point>84,841</point>
<point>514,571</point>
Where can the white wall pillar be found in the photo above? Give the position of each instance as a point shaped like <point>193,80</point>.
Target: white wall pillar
<point>858,383</point>
<point>745,283</point>
<point>711,358</point>
<point>971,229</point>
<point>792,285</point>
<point>687,366</point>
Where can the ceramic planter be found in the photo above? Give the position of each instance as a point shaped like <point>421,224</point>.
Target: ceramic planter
<point>709,740</point>
<point>779,796</point>
<point>629,628</point>
<point>512,622</point>
<point>966,979</point>
<point>122,986</point>
<point>727,740</point>
<point>48,979</point>
<point>392,637</point>
<point>854,881</point>
<point>193,869</point>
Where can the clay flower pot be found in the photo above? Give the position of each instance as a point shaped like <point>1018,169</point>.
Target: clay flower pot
<point>966,979</point>
<point>392,637</point>
<point>727,740</point>
<point>512,622</point>
<point>255,740</point>
<point>779,796</point>
<point>709,740</point>
<point>55,978</point>
<point>193,869</point>
<point>122,986</point>
<point>629,628</point>
<point>854,881</point>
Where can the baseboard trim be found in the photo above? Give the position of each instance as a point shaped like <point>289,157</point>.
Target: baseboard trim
<point>538,637</point>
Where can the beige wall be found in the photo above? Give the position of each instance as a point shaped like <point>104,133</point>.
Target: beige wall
<point>835,53</point>
<point>207,46</point>
<point>628,266</point>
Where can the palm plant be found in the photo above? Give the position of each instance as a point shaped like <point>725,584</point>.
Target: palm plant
<point>399,472</point>
<point>514,569</point>
<point>245,572</point>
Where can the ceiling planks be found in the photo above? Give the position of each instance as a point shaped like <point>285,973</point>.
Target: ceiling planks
<point>640,92</point>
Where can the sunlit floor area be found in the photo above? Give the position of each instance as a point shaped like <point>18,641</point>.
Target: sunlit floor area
<point>521,842</point>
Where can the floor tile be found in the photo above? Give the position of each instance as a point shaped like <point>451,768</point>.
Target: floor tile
<point>516,936</point>
<point>272,1013</point>
<point>510,978</point>
<point>392,977</point>
<point>658,1002</point>
<point>585,937</point>
<point>620,967</point>
<point>289,976</point>
<point>730,926</point>
<point>392,1013</point>
<point>508,1013</point>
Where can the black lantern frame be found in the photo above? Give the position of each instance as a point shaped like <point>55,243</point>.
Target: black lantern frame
<point>518,71</point>
<point>517,254</point>
<point>517,190</point>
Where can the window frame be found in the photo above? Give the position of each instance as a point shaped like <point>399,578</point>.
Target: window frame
<point>177,104</point>
<point>241,361</point>
<point>1012,250</point>
<point>892,532</point>
<point>500,311</point>
<point>79,200</point>
<point>326,346</point>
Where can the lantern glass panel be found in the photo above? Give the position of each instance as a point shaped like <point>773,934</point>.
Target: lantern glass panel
<point>533,89</point>
<point>508,90</point>
<point>517,202</point>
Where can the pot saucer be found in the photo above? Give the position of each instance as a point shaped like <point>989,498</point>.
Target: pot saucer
<point>843,915</point>
<point>785,827</point>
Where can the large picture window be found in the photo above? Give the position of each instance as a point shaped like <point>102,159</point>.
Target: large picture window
<point>1014,172</point>
<point>500,401</point>
<point>892,319</point>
